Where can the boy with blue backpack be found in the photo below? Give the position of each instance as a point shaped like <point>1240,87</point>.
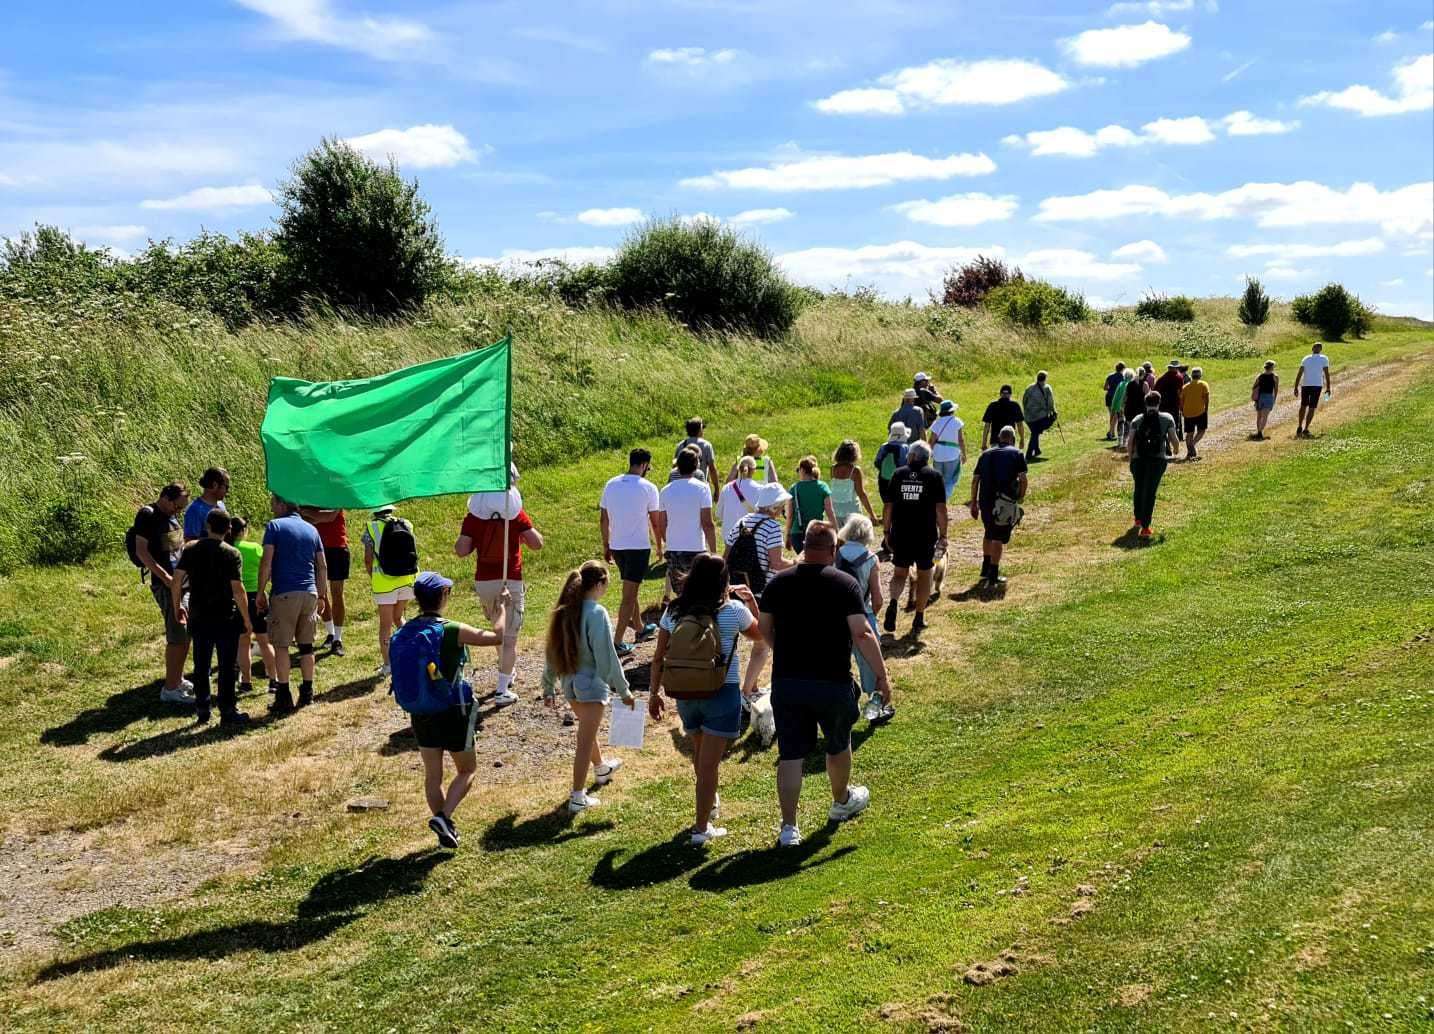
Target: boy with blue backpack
<point>428,656</point>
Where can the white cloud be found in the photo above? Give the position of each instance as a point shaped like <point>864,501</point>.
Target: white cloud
<point>1387,36</point>
<point>692,57</point>
<point>948,82</point>
<point>523,256</point>
<point>1285,273</point>
<point>1070,264</point>
<point>388,39</point>
<point>839,172</point>
<point>610,216</point>
<point>213,198</point>
<point>1413,91</point>
<point>1286,252</point>
<point>902,268</point>
<point>1192,130</point>
<point>1154,8</point>
<point>960,209</point>
<point>419,147</point>
<point>1126,46</point>
<point>1428,26</point>
<point>1244,123</point>
<point>1069,142</point>
<point>761,216</point>
<point>1141,251</point>
<point>1407,210</point>
<point>1396,282</point>
<point>112,234</point>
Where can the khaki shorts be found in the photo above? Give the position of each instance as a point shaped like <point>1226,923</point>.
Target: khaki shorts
<point>291,619</point>
<point>488,593</point>
<point>176,633</point>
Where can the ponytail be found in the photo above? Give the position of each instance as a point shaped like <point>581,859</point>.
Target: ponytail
<point>565,627</point>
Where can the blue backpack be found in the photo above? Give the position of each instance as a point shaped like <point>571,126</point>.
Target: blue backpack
<point>415,657</point>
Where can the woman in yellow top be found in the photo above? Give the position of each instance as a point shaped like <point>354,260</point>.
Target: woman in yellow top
<point>1195,407</point>
<point>390,556</point>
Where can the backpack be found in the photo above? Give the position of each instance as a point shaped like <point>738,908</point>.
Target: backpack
<point>415,655</point>
<point>397,549</point>
<point>890,461</point>
<point>694,666</point>
<point>744,557</point>
<point>854,569</point>
<point>131,540</point>
<point>1151,440</point>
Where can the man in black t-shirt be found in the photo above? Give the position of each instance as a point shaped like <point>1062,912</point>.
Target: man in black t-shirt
<point>812,616</point>
<point>999,472</point>
<point>1002,412</point>
<point>159,539</point>
<point>217,614</point>
<point>915,525</point>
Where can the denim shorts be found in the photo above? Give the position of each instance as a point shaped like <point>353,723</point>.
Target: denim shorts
<point>586,688</point>
<point>1266,401</point>
<point>801,707</point>
<point>717,715</point>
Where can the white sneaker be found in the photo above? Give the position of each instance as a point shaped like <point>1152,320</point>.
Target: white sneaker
<point>176,696</point>
<point>701,836</point>
<point>580,801</point>
<point>602,775</point>
<point>790,836</point>
<point>384,671</point>
<point>186,685</point>
<point>504,697</point>
<point>857,798</point>
<point>716,808</point>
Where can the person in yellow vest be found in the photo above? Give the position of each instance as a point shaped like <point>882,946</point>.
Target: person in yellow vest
<point>390,555</point>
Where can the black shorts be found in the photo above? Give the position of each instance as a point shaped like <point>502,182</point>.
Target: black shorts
<point>1197,423</point>
<point>258,618</point>
<point>802,706</point>
<point>995,532</point>
<point>906,555</point>
<point>883,489</point>
<point>632,564</point>
<point>338,562</point>
<point>1309,397</point>
<point>450,730</point>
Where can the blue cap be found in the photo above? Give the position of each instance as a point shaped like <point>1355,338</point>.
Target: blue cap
<point>431,583</point>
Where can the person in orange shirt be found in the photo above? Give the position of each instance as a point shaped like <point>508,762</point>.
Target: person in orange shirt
<point>1195,407</point>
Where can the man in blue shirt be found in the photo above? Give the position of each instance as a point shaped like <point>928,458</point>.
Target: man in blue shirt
<point>1001,471</point>
<point>294,560</point>
<point>215,483</point>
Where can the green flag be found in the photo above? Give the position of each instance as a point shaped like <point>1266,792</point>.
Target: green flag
<point>439,427</point>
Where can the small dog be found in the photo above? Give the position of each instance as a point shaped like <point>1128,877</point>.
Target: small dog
<point>763,722</point>
<point>938,575</point>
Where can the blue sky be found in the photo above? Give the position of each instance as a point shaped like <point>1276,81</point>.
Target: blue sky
<point>1169,144</point>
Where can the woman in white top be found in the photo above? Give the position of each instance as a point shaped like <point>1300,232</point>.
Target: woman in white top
<point>948,446</point>
<point>738,496</point>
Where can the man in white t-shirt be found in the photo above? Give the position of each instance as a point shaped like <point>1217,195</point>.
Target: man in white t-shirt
<point>686,519</point>
<point>629,507</point>
<point>1313,378</point>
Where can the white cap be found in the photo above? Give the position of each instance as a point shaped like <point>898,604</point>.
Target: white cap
<point>495,505</point>
<point>921,377</point>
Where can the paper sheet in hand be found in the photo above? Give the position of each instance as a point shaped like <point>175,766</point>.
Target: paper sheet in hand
<point>628,724</point>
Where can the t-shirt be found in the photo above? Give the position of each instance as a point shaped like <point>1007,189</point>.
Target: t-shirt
<point>334,534</point>
<point>487,536</point>
<point>1167,428</point>
<point>706,458</point>
<point>212,566</point>
<point>810,604</point>
<point>1112,381</point>
<point>1312,368</point>
<point>736,500</point>
<point>1003,413</point>
<point>733,618</point>
<point>946,438</point>
<point>768,531</point>
<point>910,414</point>
<point>683,502</point>
<point>628,499</point>
<point>1170,385</point>
<point>251,553</point>
<point>998,470</point>
<point>1195,399</point>
<point>295,543</point>
<point>194,517</point>
<point>916,492</point>
<point>811,498</point>
<point>162,534</point>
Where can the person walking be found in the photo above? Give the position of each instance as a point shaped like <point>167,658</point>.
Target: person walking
<point>1151,440</point>
<point>1134,398</point>
<point>1263,394</point>
<point>915,527</point>
<point>848,483</point>
<point>1313,377</point>
<point>812,616</point>
<point>630,510</point>
<point>1117,406</point>
<point>333,528</point>
<point>856,558</point>
<point>390,558</point>
<point>697,634</point>
<point>496,520</point>
<point>706,457</point>
<point>1112,382</point>
<point>998,487</point>
<point>685,511</point>
<point>909,414</point>
<point>293,560</point>
<point>1038,404</point>
<point>256,635</point>
<point>890,458</point>
<point>1171,386</point>
<point>755,446</point>
<point>811,501</point>
<point>1002,411</point>
<point>429,656</point>
<point>158,542</point>
<point>739,495</point>
<point>927,397</point>
<point>754,555</point>
<point>948,446</point>
<point>582,661</point>
<point>1147,378</point>
<point>216,611</point>
<point>214,486</point>
<point>1195,408</point>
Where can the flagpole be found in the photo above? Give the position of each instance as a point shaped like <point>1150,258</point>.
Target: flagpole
<point>507,464</point>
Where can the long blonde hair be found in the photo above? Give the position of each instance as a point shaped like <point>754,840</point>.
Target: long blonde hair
<point>565,627</point>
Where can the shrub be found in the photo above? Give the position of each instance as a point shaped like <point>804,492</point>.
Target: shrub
<point>46,264</point>
<point>1254,304</point>
<point>705,275</point>
<point>237,280</point>
<point>1036,303</point>
<point>1333,311</point>
<point>968,285</point>
<point>1178,309</point>
<point>68,531</point>
<point>354,234</point>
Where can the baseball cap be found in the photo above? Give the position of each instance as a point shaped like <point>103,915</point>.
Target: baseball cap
<point>431,583</point>
<point>921,377</point>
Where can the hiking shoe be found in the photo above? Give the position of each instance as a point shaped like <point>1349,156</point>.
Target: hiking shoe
<point>178,695</point>
<point>186,685</point>
<point>504,697</point>
<point>445,831</point>
<point>602,775</point>
<point>700,837</point>
<point>1146,533</point>
<point>580,801</point>
<point>337,648</point>
<point>283,701</point>
<point>244,687</point>
<point>329,641</point>
<point>857,798</point>
<point>569,718</point>
<point>890,623</point>
<point>273,687</point>
<point>910,604</point>
<point>918,623</point>
<point>790,836</point>
<point>230,718</point>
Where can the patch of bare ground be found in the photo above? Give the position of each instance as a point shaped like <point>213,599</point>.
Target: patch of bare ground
<point>936,1015</point>
<point>1132,995</point>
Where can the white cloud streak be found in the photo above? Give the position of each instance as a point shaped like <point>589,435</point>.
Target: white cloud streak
<point>316,21</point>
<point>1070,142</point>
<point>1154,8</point>
<point>761,216</point>
<point>610,216</point>
<point>1141,251</point>
<point>419,147</point>
<point>959,210</point>
<point>692,57</point>
<point>1413,91</point>
<point>212,199</point>
<point>1071,264</point>
<point>947,83</point>
<point>1290,252</point>
<point>1244,123</point>
<point>1126,46</point>
<point>516,257</point>
<point>840,172</point>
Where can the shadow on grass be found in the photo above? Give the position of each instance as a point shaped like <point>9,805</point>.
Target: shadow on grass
<point>979,592</point>
<point>816,761</point>
<point>907,646</point>
<point>336,900</point>
<point>119,711</point>
<point>763,865</point>
<point>1131,540</point>
<point>657,864</point>
<point>553,827</point>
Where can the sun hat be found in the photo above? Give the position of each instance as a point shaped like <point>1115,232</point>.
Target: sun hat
<point>897,432</point>
<point>771,494</point>
<point>1173,365</point>
<point>909,393</point>
<point>948,407</point>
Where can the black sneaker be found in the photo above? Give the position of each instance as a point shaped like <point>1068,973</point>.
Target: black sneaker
<point>306,694</point>
<point>996,581</point>
<point>890,623</point>
<point>445,831</point>
<point>337,648</point>
<point>283,701</point>
<point>201,715</point>
<point>328,642</point>
<point>918,622</point>
<point>232,718</point>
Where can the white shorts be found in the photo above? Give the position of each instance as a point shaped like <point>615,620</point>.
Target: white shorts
<point>402,594</point>
<point>488,593</point>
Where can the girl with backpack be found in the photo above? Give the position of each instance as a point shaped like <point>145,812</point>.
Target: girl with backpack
<point>1151,440</point>
<point>582,660</point>
<point>1263,394</point>
<point>696,663</point>
<point>848,484</point>
<point>854,557</point>
<point>390,556</point>
<point>754,554</point>
<point>811,501</point>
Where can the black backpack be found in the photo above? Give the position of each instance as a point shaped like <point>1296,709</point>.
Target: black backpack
<point>397,549</point>
<point>131,538</point>
<point>744,557</point>
<point>1151,440</point>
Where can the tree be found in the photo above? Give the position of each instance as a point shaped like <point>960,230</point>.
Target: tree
<point>1255,305</point>
<point>968,285</point>
<point>355,234</point>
